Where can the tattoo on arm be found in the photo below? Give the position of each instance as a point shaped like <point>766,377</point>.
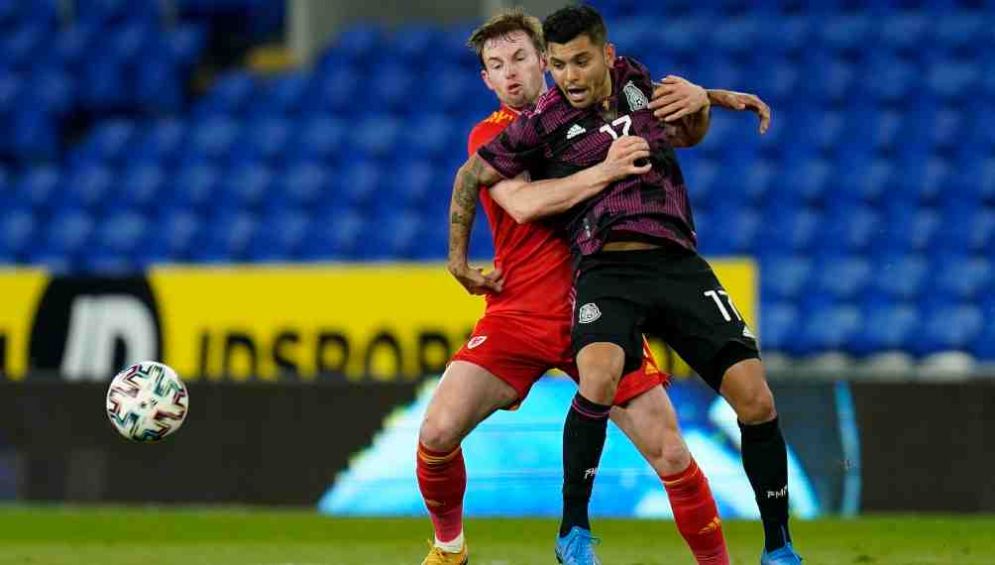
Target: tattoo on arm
<point>463,207</point>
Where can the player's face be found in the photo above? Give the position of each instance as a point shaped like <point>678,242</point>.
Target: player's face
<point>581,68</point>
<point>513,69</point>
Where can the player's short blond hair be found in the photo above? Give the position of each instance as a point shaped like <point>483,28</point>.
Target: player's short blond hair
<point>501,25</point>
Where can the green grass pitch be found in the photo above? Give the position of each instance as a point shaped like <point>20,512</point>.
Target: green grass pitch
<point>153,536</point>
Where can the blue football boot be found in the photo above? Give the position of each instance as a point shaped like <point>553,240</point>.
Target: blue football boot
<point>781,556</point>
<point>577,548</point>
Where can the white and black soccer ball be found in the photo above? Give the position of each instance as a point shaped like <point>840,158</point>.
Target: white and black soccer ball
<point>147,401</point>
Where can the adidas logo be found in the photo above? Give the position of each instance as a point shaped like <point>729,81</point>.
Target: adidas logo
<point>574,131</point>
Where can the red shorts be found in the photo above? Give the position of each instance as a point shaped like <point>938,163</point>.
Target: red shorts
<point>519,351</point>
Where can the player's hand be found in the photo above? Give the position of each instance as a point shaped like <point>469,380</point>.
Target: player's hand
<point>676,97</point>
<point>742,101</point>
<point>475,281</point>
<point>623,156</point>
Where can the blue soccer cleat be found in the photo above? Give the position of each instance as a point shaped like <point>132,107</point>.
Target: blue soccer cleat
<point>577,548</point>
<point>781,556</point>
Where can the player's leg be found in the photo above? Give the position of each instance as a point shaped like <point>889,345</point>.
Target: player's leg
<point>650,422</point>
<point>702,324</point>
<point>466,395</point>
<point>607,343</point>
<point>765,455</point>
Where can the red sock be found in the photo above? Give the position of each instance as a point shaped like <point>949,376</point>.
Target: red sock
<point>442,480</point>
<point>696,515</point>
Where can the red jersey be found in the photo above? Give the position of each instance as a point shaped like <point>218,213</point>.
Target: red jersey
<point>536,262</point>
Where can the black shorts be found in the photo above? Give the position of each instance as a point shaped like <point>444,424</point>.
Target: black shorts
<point>669,292</point>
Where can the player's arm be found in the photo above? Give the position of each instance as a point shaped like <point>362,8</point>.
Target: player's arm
<point>684,108</point>
<point>740,102</point>
<point>527,201</point>
<point>474,173</point>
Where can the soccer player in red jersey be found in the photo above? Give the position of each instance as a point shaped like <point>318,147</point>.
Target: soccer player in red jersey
<point>526,328</point>
<point>638,268</point>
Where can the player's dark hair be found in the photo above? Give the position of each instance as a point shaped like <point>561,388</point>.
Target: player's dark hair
<point>569,23</point>
<point>503,24</point>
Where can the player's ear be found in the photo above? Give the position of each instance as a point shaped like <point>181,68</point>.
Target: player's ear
<point>609,53</point>
<point>486,79</point>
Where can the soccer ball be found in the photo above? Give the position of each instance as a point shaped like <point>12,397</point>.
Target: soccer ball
<point>147,401</point>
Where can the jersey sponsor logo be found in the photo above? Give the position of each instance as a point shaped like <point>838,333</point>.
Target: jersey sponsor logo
<point>637,100</point>
<point>590,473</point>
<point>476,341</point>
<point>575,130</point>
<point>588,313</point>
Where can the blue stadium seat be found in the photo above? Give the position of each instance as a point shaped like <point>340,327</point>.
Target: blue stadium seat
<point>54,89</point>
<point>68,232</point>
<point>432,136</point>
<point>280,236</point>
<point>226,237</point>
<point>34,134</point>
<point>361,183</point>
<point>177,232</point>
<point>983,345</point>
<point>246,186</point>
<point>185,43</point>
<point>319,138</point>
<point>38,186</point>
<point>71,45</point>
<point>847,32</point>
<point>104,86</point>
<point>778,325</point>
<point>904,30</point>
<point>159,85</point>
<point>214,138</point>
<point>88,185</point>
<point>947,327</point>
<point>285,94</point>
<point>230,95</point>
<point>809,180</point>
<point>195,185</point>
<point>120,233</point>
<point>899,277</point>
<point>18,229</point>
<point>335,237</point>
<point>304,182</point>
<point>953,80</point>
<point>842,278</point>
<point>107,12</point>
<point>849,228</point>
<point>826,328</point>
<point>415,42</point>
<point>108,142</point>
<point>360,41</point>
<point>377,136</point>
<point>961,278</point>
<point>959,30</point>
<point>141,186</point>
<point>266,139</point>
<point>160,141</point>
<point>887,326</point>
<point>785,278</point>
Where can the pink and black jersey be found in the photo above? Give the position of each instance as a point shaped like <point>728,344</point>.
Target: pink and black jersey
<point>555,140</point>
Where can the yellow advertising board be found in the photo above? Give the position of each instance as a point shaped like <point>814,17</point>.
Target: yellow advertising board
<point>363,321</point>
<point>20,291</point>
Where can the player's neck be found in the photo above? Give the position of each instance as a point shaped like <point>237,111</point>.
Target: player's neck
<point>606,90</point>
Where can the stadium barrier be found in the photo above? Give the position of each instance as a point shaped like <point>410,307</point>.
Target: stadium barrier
<point>349,449</point>
<point>271,323</point>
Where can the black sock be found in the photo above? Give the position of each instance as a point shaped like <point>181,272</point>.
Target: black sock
<point>765,459</point>
<point>583,440</point>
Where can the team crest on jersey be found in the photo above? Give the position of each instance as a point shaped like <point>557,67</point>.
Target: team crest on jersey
<point>475,341</point>
<point>588,313</point>
<point>637,100</point>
